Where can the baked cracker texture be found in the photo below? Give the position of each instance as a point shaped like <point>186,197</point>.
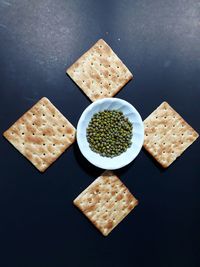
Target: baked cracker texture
<point>99,72</point>
<point>42,134</point>
<point>106,202</point>
<point>167,134</point>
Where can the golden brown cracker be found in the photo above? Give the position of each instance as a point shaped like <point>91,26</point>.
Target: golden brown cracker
<point>42,134</point>
<point>106,202</point>
<point>99,72</point>
<point>167,134</point>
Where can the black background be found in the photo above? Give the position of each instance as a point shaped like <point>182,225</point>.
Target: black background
<point>160,43</point>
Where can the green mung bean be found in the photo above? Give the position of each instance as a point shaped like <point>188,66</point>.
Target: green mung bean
<point>109,133</point>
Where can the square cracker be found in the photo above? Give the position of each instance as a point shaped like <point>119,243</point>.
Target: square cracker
<point>99,72</point>
<point>42,134</point>
<point>167,134</point>
<point>106,202</point>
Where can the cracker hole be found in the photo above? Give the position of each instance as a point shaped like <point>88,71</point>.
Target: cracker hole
<point>100,55</point>
<point>44,154</point>
<point>92,63</point>
<point>44,144</point>
<point>63,135</point>
<point>43,115</point>
<point>118,67</point>
<point>173,125</point>
<point>83,81</point>
<point>101,92</point>
<point>109,74</point>
<point>163,152</point>
<point>23,144</point>
<point>33,134</point>
<point>12,133</point>
<point>54,144</point>
<point>100,46</point>
<point>22,133</point>
<point>117,75</point>
<point>63,126</point>
<point>53,115</point>
<point>33,123</point>
<point>33,114</point>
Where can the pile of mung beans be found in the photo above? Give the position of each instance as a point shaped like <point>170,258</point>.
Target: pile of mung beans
<point>109,133</point>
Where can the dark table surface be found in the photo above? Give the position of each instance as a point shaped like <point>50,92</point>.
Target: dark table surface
<point>159,41</point>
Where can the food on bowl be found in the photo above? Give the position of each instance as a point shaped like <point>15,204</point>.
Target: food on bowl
<point>109,133</point>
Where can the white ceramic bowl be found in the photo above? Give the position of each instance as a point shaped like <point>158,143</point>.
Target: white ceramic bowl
<point>137,138</point>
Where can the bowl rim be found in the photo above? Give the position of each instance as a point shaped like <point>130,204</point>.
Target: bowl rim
<point>90,107</point>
